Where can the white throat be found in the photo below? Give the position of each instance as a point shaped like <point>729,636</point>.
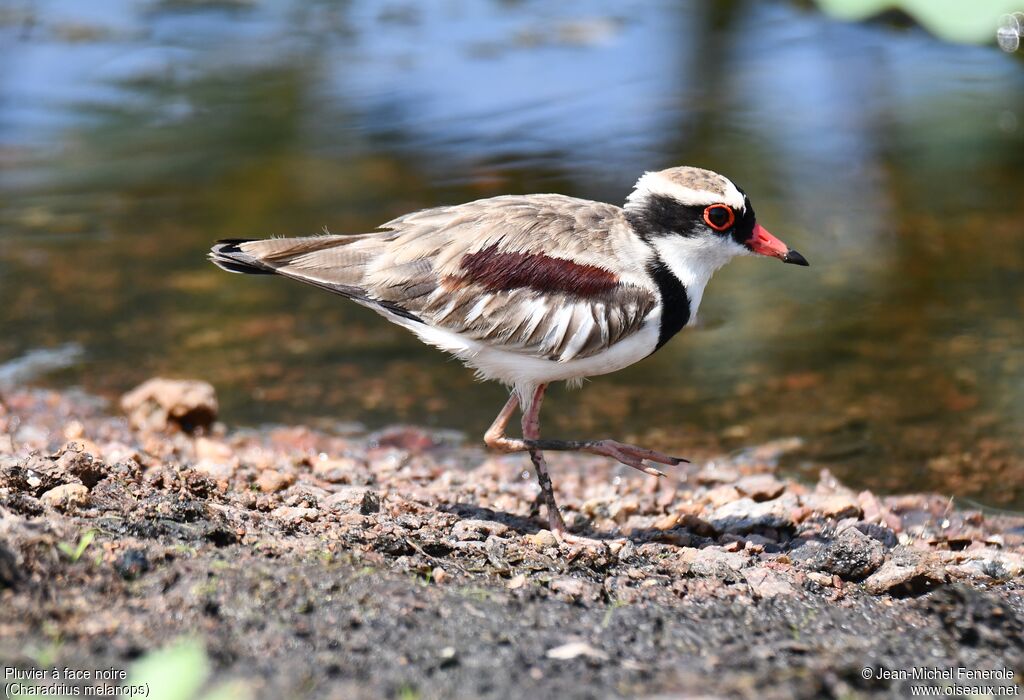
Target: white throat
<point>693,260</point>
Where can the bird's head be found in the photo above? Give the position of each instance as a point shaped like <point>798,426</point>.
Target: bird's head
<point>700,218</point>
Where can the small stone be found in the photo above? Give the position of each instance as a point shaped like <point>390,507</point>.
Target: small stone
<point>711,562</point>
<point>370,503</point>
<point>478,529</point>
<point>720,495</point>
<point>880,533</point>
<point>543,539</point>
<point>744,515</point>
<point>574,588</point>
<point>219,471</point>
<point>904,576</point>
<point>767,583</point>
<point>162,405</point>
<point>270,481</point>
<point>760,487</point>
<point>574,650</point>
<point>851,555</point>
<point>439,575</point>
<point>74,461</point>
<point>837,505</point>
<point>666,522</point>
<point>213,450</point>
<point>345,500</point>
<point>621,509</point>
<point>448,657</point>
<point>338,470</point>
<point>517,581</point>
<point>824,580</point>
<point>294,514</point>
<point>66,496</point>
<point>132,564</point>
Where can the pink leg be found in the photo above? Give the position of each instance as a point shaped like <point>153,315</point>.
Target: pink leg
<point>531,431</point>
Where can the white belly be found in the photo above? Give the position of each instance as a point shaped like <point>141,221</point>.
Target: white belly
<point>516,369</point>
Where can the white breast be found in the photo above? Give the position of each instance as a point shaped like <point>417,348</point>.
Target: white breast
<point>513,368</point>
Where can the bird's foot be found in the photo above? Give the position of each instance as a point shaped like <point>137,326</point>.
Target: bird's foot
<point>632,455</point>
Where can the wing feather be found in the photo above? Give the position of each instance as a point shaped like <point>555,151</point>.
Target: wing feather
<point>543,275</point>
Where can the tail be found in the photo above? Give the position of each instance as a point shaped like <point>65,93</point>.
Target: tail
<point>227,255</point>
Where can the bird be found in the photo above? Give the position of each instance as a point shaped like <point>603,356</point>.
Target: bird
<point>533,289</point>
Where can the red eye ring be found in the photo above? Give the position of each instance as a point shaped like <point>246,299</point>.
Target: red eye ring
<point>713,217</point>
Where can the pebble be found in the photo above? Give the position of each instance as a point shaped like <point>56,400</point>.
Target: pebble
<point>66,496</point>
<point>744,515</point>
<point>833,505</point>
<point>164,405</point>
<point>711,562</point>
<point>337,470</point>
<point>767,583</point>
<point>478,529</point>
<point>543,539</point>
<point>270,481</point>
<point>132,564</point>
<point>293,514</point>
<point>760,487</point>
<point>574,650</point>
<point>851,555</point>
<point>904,576</point>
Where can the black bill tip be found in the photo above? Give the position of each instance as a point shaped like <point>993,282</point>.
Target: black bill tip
<point>794,258</point>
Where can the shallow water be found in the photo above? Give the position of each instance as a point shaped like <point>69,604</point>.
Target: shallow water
<point>132,134</point>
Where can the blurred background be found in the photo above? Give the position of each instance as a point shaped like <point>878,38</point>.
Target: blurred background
<point>888,148</point>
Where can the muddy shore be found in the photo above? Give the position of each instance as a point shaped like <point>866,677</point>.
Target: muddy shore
<point>339,564</point>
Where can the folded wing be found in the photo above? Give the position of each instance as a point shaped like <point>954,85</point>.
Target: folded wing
<point>543,275</point>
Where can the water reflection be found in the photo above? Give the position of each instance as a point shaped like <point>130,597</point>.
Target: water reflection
<point>133,133</point>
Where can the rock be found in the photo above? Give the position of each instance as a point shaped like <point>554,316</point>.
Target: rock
<point>517,581</point>
<point>370,503</point>
<point>345,500</point>
<point>760,487</point>
<point>543,539</point>
<point>824,580</point>
<point>721,495</point>
<point>336,471</point>
<point>219,471</point>
<point>570,587</point>
<point>270,481</point>
<point>746,515</point>
<point>439,575</point>
<point>295,514</point>
<point>478,529</point>
<point>620,509</point>
<point>837,505</point>
<point>132,564</point>
<point>78,464</point>
<point>880,533</point>
<point>213,450</point>
<point>574,650</point>
<point>714,563</point>
<point>851,555</point>
<point>406,438</point>
<point>66,496</point>
<point>982,564</point>
<point>165,405</point>
<point>666,522</point>
<point>767,583</point>
<point>905,574</point>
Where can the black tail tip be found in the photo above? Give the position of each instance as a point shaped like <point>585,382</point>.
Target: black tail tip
<point>227,255</point>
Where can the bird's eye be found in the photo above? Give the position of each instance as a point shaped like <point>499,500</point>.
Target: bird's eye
<point>719,217</point>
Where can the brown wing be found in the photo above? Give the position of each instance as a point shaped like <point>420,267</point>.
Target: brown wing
<point>544,275</point>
